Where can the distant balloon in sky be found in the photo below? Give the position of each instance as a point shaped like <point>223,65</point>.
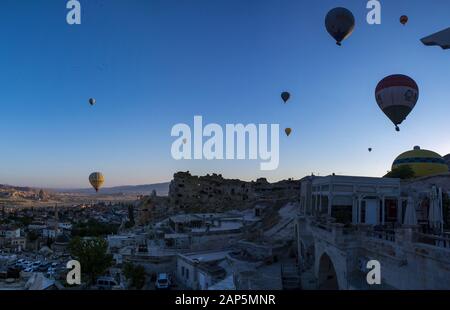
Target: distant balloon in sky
<point>288,131</point>
<point>92,101</point>
<point>370,149</point>
<point>340,24</point>
<point>396,96</point>
<point>96,179</point>
<point>403,19</point>
<point>285,96</point>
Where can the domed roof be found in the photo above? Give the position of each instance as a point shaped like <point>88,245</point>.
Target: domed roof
<point>418,152</point>
<point>423,162</point>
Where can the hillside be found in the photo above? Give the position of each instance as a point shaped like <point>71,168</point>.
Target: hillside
<point>161,190</point>
<point>18,195</point>
<point>426,183</point>
<point>27,196</point>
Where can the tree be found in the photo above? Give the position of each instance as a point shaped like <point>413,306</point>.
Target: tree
<point>131,214</point>
<point>402,172</point>
<point>92,255</point>
<point>32,236</point>
<point>41,195</point>
<point>136,274</point>
<point>93,228</point>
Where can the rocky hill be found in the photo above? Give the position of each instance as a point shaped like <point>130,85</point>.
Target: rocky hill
<point>213,193</point>
<point>17,193</point>
<point>161,189</point>
<point>426,183</point>
<point>35,197</point>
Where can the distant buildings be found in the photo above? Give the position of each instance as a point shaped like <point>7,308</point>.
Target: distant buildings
<point>9,231</point>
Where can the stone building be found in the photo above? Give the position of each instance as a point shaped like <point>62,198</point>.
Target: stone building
<point>345,222</point>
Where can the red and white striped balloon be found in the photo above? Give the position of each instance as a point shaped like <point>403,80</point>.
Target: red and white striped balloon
<point>396,96</point>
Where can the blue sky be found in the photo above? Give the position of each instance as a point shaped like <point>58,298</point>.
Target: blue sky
<point>152,64</point>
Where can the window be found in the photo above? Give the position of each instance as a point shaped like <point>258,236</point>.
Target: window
<point>391,210</point>
<point>324,206</point>
<point>187,274</point>
<point>363,212</point>
<point>182,271</point>
<point>342,214</point>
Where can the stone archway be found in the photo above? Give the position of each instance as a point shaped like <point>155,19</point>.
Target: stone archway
<point>327,276</point>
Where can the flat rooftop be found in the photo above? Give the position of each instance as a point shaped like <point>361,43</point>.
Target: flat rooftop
<point>206,256</point>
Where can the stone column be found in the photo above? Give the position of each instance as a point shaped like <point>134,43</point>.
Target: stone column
<point>330,201</point>
<point>359,209</point>
<point>354,210</point>
<point>320,203</point>
<point>399,211</point>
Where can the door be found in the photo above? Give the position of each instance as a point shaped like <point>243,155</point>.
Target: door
<point>371,211</point>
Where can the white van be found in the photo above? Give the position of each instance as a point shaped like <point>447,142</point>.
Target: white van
<point>106,283</point>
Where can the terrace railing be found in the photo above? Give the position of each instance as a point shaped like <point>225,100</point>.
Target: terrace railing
<point>386,235</point>
<point>438,241</point>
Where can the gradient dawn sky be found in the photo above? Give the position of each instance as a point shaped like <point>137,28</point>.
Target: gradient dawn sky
<point>152,64</point>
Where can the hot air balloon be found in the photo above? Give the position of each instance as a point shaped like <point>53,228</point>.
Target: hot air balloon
<point>92,101</point>
<point>340,23</point>
<point>285,96</point>
<point>288,131</point>
<point>403,19</point>
<point>370,149</point>
<point>396,96</point>
<point>96,179</point>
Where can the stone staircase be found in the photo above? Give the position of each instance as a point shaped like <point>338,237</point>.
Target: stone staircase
<point>308,280</point>
<point>290,277</point>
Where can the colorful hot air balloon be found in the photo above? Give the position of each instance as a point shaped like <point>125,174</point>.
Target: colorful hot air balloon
<point>96,179</point>
<point>288,131</point>
<point>403,19</point>
<point>396,96</point>
<point>340,24</point>
<point>285,96</point>
<point>92,101</point>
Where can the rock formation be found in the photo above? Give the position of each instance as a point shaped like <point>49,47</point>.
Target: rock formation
<point>213,193</point>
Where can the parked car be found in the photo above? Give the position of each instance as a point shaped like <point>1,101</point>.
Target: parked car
<point>162,281</point>
<point>106,283</point>
<point>13,273</point>
<point>36,264</point>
